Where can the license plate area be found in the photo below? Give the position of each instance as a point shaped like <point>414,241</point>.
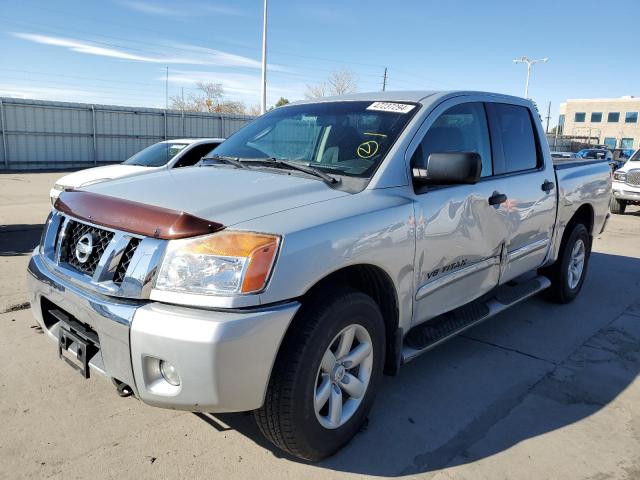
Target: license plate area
<point>75,339</point>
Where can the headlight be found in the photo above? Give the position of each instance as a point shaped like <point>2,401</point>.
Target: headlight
<point>620,176</point>
<point>91,182</point>
<point>220,263</point>
<point>59,187</point>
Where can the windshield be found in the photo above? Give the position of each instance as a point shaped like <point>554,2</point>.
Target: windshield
<point>343,138</point>
<point>156,155</point>
<point>635,157</point>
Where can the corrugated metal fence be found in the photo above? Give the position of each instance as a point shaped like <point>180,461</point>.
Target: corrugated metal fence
<point>50,135</point>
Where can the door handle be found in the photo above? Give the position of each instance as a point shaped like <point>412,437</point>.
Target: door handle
<point>497,198</point>
<point>547,186</point>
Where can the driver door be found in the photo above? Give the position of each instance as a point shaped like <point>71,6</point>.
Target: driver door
<point>459,234</point>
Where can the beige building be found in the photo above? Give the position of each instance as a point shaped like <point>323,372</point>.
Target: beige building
<point>613,121</point>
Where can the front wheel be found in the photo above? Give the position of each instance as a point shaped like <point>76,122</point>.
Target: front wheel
<point>617,206</point>
<point>568,272</point>
<point>326,375</point>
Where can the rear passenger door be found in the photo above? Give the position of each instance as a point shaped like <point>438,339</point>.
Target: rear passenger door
<point>527,181</point>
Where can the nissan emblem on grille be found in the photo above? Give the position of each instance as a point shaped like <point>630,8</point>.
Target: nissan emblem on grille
<point>84,247</point>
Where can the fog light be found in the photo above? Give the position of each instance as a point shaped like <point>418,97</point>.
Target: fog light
<point>169,373</point>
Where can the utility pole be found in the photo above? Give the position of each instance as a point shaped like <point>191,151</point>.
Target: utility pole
<point>530,62</point>
<point>384,80</point>
<point>263,102</point>
<point>548,117</point>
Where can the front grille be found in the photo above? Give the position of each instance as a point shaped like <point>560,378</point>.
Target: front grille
<point>633,177</point>
<point>101,259</point>
<point>127,255</point>
<point>75,231</point>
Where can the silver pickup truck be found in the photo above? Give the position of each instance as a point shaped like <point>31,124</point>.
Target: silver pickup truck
<point>322,245</point>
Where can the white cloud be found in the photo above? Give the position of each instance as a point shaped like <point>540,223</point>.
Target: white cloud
<point>178,10</point>
<point>81,47</point>
<point>193,54</point>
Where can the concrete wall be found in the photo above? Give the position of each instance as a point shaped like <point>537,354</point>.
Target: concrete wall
<point>603,129</point>
<point>57,135</point>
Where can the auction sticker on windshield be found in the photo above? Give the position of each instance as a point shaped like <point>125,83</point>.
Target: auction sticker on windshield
<point>391,107</point>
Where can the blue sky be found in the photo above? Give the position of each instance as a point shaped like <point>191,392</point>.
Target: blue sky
<point>116,51</point>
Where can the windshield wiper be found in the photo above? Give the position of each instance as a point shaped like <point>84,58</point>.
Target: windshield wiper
<point>236,162</point>
<point>301,167</point>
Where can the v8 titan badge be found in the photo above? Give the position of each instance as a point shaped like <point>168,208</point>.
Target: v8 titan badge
<point>367,149</point>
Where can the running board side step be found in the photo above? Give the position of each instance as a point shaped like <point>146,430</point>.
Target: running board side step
<point>424,337</point>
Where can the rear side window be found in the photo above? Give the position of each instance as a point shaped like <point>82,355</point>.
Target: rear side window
<point>518,140</point>
<point>462,128</point>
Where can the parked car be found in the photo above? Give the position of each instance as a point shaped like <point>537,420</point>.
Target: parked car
<point>600,154</point>
<point>626,185</point>
<point>563,155</point>
<point>623,154</point>
<point>595,153</point>
<point>323,244</point>
<point>159,156</point>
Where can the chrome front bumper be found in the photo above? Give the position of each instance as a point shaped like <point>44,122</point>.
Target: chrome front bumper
<point>624,191</point>
<point>223,358</point>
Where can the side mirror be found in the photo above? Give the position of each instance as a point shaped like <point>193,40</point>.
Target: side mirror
<point>450,169</point>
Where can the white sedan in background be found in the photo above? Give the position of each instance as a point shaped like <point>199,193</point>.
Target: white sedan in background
<point>183,152</point>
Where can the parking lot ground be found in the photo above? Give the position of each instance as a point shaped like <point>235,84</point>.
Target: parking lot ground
<point>24,206</point>
<point>541,391</point>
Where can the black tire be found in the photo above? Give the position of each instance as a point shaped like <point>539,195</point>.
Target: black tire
<point>617,206</point>
<point>287,418</point>
<point>561,290</point>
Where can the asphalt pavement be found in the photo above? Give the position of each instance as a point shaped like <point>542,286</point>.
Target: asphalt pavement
<point>541,391</point>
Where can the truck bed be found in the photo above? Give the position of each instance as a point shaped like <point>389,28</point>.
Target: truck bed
<point>561,163</point>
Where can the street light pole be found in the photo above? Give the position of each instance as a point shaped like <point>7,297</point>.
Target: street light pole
<point>530,62</point>
<point>263,102</point>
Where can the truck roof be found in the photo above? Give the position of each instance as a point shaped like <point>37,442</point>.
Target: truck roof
<point>192,140</point>
<point>418,96</point>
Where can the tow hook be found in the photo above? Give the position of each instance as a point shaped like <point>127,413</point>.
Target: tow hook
<point>122,389</point>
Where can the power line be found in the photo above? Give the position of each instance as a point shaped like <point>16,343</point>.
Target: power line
<point>78,87</point>
<point>75,77</point>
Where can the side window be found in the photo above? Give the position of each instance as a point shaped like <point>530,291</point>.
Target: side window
<point>462,128</point>
<point>194,155</point>
<point>517,136</point>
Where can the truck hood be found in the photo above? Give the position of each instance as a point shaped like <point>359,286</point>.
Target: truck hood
<point>629,165</point>
<point>107,172</point>
<point>220,194</point>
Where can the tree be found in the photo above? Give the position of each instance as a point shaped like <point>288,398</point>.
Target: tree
<point>340,82</point>
<point>254,110</point>
<point>209,98</point>
<point>281,101</point>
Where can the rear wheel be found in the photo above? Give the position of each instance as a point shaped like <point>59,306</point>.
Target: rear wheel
<point>568,272</point>
<point>326,376</point>
<point>617,206</point>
